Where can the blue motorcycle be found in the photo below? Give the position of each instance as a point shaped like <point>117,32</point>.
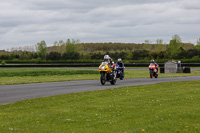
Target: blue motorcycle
<point>119,72</point>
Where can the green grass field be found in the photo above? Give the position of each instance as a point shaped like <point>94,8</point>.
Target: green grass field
<point>42,72</point>
<point>39,75</point>
<point>160,108</point>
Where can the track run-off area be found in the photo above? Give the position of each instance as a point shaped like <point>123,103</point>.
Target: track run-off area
<point>13,93</point>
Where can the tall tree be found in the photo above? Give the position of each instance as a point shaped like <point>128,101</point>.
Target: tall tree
<point>68,41</point>
<point>55,43</point>
<point>198,44</point>
<point>42,49</point>
<point>60,42</point>
<point>55,46</point>
<point>198,41</point>
<point>177,38</point>
<point>159,41</point>
<point>174,49</point>
<point>71,46</point>
<point>147,42</point>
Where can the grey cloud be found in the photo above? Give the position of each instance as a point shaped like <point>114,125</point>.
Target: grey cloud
<point>190,5</point>
<point>30,21</point>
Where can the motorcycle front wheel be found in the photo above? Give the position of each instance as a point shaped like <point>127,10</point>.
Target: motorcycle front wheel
<point>121,76</point>
<point>151,73</point>
<point>103,78</point>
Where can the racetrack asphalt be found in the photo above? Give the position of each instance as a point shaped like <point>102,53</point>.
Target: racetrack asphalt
<point>13,93</point>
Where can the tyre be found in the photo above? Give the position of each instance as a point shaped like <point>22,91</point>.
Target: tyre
<point>121,77</point>
<point>151,74</point>
<point>113,82</point>
<point>103,79</point>
<point>156,76</point>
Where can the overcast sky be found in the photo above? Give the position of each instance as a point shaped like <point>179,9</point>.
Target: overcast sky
<point>27,22</point>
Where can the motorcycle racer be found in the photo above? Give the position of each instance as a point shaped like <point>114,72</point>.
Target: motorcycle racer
<point>156,65</point>
<point>108,59</point>
<point>111,63</point>
<point>121,64</point>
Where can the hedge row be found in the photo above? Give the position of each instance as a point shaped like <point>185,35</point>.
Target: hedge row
<point>34,61</point>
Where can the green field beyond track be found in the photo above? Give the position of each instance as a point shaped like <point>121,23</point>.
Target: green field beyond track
<point>42,72</point>
<point>160,108</point>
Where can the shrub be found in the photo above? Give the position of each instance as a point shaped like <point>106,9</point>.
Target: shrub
<point>3,62</point>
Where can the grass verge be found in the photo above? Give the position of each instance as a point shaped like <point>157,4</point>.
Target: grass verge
<point>42,72</point>
<point>161,108</point>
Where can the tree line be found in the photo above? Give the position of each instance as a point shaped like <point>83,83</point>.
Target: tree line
<point>73,50</point>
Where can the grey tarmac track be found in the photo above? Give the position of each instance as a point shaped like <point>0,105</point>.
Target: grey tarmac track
<point>13,93</point>
<point>125,68</point>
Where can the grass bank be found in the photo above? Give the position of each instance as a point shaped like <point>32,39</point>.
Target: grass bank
<point>42,72</point>
<point>165,107</point>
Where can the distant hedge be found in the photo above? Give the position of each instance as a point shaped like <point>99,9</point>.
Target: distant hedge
<point>193,60</point>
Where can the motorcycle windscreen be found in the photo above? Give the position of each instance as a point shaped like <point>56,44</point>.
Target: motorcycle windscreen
<point>104,63</point>
<point>152,64</point>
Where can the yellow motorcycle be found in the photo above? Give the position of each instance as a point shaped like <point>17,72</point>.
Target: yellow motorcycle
<point>107,73</point>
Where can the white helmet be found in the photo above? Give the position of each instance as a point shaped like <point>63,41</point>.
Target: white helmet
<point>119,60</point>
<point>152,61</point>
<point>106,57</point>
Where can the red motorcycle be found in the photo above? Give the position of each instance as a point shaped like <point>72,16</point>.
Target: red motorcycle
<point>153,70</point>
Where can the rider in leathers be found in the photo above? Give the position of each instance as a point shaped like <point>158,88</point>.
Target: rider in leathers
<point>156,65</point>
<point>121,65</point>
<point>110,62</point>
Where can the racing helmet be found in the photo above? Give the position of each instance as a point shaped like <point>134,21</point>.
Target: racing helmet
<point>106,57</point>
<point>119,60</point>
<point>152,61</point>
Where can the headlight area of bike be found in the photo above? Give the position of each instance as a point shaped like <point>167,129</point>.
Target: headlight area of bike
<point>103,68</point>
